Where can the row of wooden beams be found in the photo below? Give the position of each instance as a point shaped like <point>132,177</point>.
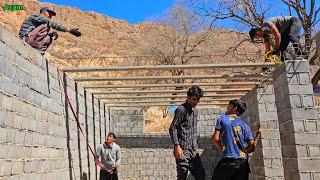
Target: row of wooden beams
<point>171,96</point>
<point>166,67</point>
<point>169,85</point>
<point>226,76</point>
<point>168,91</point>
<point>165,101</point>
<point>162,104</point>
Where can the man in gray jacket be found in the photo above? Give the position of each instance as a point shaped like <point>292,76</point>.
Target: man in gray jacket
<point>110,155</point>
<point>35,29</point>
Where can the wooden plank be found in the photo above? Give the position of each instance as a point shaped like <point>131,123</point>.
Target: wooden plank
<point>166,101</point>
<point>167,91</point>
<point>166,67</point>
<point>168,96</point>
<point>168,85</point>
<point>163,104</point>
<point>226,76</point>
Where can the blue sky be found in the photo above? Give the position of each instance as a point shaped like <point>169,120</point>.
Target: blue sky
<point>133,11</point>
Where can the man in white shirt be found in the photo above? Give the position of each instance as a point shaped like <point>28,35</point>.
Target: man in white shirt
<point>109,153</point>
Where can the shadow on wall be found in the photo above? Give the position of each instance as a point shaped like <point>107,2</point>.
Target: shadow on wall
<point>151,156</point>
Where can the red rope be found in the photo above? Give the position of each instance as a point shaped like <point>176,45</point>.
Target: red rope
<point>98,162</point>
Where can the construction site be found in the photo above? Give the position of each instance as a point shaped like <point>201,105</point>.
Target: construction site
<point>40,106</point>
<point>54,111</point>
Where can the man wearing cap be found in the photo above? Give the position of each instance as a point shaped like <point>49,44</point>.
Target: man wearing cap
<point>35,29</point>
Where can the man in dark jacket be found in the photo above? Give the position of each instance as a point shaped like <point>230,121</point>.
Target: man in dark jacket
<point>183,133</point>
<point>35,29</point>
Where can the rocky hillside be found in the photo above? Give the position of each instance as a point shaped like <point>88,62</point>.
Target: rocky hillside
<point>110,42</point>
<point>103,36</point>
<point>155,122</point>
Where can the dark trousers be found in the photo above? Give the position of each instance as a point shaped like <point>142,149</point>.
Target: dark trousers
<point>104,175</point>
<point>292,34</point>
<point>231,169</point>
<point>191,162</point>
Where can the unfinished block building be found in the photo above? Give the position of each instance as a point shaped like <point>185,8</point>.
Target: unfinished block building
<point>40,138</point>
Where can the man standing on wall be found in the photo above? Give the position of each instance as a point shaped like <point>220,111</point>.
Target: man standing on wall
<point>35,29</point>
<point>281,29</point>
<point>234,139</point>
<point>110,155</point>
<point>183,133</point>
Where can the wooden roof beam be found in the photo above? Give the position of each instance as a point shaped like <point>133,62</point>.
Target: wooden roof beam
<point>227,76</point>
<point>165,67</point>
<point>168,91</point>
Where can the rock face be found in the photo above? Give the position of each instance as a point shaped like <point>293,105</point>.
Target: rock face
<point>102,35</point>
<point>155,122</point>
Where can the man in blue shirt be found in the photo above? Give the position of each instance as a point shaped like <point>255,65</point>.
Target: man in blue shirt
<point>234,139</point>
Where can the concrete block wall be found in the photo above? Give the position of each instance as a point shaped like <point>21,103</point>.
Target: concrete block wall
<point>207,118</point>
<point>266,162</point>
<point>150,156</point>
<point>298,121</point>
<point>130,121</point>
<point>147,157</point>
<point>39,138</point>
<point>126,121</point>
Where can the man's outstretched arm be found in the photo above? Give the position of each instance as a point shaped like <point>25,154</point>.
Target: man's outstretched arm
<point>40,19</point>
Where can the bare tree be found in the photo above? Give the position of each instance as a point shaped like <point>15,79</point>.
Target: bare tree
<point>251,13</point>
<point>182,31</point>
<point>177,42</point>
<point>246,13</point>
<point>307,11</point>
